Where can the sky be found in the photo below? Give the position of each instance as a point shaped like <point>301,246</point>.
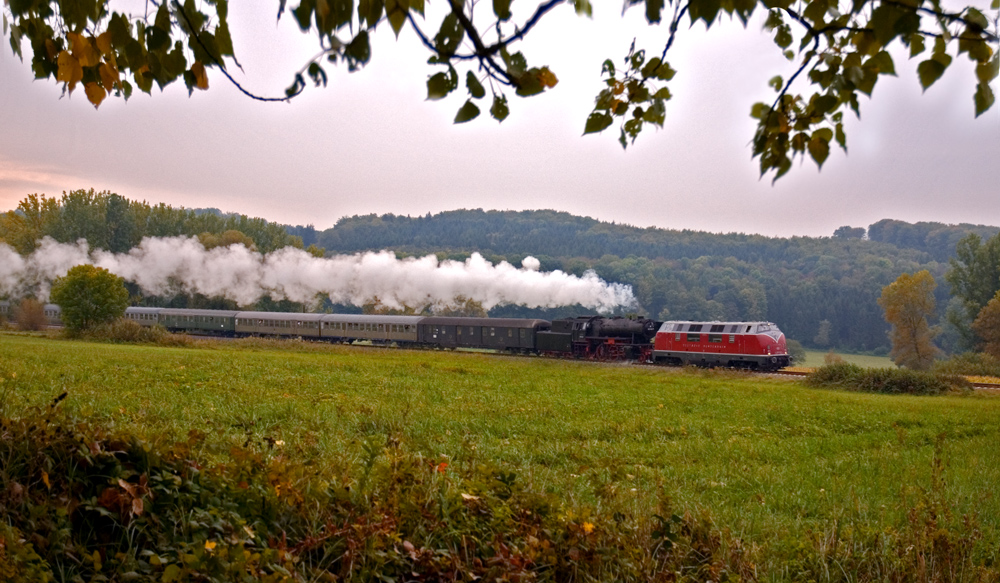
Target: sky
<point>370,142</point>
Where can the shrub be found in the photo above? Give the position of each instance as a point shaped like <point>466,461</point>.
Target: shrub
<point>971,364</point>
<point>796,352</point>
<point>30,315</point>
<point>852,377</point>
<point>124,330</point>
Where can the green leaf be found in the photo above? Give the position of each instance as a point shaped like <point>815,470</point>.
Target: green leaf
<point>499,111</point>
<point>760,110</point>
<point>502,9</point>
<point>916,44</point>
<point>929,72</point>
<point>583,8</point>
<point>819,148</point>
<point>597,122</point>
<point>450,35</point>
<point>988,71</point>
<point>469,111</point>
<point>608,67</point>
<point>438,86</point>
<point>984,98</point>
<point>395,12</point>
<point>530,83</point>
<point>776,83</point>
<point>825,103</point>
<point>841,137</point>
<point>474,86</point>
<point>976,18</point>
<point>358,51</point>
<point>882,61</point>
<point>653,10</point>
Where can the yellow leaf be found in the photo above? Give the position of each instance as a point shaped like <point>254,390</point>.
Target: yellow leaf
<point>209,545</point>
<point>109,75</point>
<point>45,479</point>
<point>588,528</point>
<point>83,50</point>
<point>547,77</point>
<point>95,93</point>
<point>200,78</point>
<point>70,72</point>
<point>104,43</point>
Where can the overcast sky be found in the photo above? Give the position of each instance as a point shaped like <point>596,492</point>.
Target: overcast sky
<point>371,143</point>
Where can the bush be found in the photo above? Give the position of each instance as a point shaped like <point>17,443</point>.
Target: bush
<point>124,330</point>
<point>852,377</point>
<point>30,315</point>
<point>970,364</point>
<point>796,352</point>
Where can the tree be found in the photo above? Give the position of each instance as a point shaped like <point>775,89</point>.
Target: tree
<point>842,48</point>
<point>987,326</point>
<point>30,315</point>
<point>974,276</point>
<point>89,296</point>
<point>908,302</point>
<point>846,232</point>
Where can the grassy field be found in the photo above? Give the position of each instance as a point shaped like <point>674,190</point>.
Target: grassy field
<point>816,358</point>
<point>769,458</point>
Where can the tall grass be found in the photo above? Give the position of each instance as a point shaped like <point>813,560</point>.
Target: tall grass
<point>773,479</point>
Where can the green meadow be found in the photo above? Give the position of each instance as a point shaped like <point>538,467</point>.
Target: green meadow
<point>769,460</point>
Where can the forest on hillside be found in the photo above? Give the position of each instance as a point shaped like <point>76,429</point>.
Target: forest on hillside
<point>821,291</point>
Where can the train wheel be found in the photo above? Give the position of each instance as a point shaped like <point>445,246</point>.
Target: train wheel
<point>601,353</point>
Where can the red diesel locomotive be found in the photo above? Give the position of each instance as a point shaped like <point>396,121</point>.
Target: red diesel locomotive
<point>754,345</point>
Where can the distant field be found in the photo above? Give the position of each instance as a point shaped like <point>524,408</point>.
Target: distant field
<point>770,459</point>
<point>816,358</point>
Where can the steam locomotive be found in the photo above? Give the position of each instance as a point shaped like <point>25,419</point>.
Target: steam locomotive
<point>752,345</point>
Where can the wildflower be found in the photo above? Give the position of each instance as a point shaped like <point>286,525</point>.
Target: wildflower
<point>588,527</point>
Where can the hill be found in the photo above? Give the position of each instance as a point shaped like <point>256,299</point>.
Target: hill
<point>797,282</point>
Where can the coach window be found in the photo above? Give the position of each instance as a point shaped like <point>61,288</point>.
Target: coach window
<point>718,328</point>
<point>510,333</point>
<point>695,328</point>
<point>459,330</point>
<point>715,338</point>
<point>493,332</point>
<point>694,337</point>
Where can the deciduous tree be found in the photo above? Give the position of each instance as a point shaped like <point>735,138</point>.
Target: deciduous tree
<point>837,48</point>
<point>89,296</point>
<point>987,326</point>
<point>908,302</point>
<point>975,279</point>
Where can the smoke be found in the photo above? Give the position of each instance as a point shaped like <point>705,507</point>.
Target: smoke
<point>167,266</point>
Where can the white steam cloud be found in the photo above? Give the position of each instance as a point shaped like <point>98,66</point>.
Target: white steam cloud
<point>166,266</point>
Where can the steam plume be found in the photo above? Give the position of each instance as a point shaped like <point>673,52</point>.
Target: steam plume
<point>166,266</point>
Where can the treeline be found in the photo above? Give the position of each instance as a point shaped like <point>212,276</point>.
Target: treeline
<point>821,291</point>
<point>937,239</point>
<point>112,222</point>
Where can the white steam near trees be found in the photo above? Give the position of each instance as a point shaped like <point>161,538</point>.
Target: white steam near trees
<point>171,265</point>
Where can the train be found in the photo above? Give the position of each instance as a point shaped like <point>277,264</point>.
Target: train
<point>752,345</point>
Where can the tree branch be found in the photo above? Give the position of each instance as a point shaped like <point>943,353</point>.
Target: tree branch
<point>221,65</point>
